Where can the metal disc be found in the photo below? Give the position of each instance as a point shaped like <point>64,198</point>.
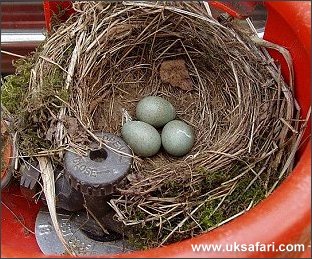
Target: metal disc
<point>81,244</point>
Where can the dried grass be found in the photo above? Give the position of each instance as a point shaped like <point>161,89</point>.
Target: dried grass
<point>243,113</point>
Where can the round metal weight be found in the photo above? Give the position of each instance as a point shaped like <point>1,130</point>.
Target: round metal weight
<point>98,173</point>
<point>77,240</point>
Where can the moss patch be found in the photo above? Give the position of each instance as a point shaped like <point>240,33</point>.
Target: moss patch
<point>15,86</point>
<point>32,109</point>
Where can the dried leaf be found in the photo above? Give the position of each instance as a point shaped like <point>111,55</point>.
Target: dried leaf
<point>176,74</point>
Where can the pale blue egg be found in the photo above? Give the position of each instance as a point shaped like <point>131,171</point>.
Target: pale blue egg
<point>155,111</point>
<point>141,137</point>
<point>177,138</point>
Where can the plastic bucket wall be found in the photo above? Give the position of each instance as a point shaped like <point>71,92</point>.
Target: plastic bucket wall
<point>283,218</point>
<point>6,149</point>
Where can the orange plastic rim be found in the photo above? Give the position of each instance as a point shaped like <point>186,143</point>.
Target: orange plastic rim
<point>283,218</point>
<point>6,158</point>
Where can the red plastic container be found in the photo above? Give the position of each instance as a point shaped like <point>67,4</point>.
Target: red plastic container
<point>283,218</point>
<point>7,149</point>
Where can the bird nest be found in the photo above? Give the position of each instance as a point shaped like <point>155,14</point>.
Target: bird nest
<point>95,67</point>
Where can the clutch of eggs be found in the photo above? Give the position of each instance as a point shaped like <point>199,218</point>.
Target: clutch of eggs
<point>142,136</point>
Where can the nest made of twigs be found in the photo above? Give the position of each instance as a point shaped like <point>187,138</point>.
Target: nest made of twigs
<point>108,56</point>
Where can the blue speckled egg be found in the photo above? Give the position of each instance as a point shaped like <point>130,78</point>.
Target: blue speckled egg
<point>141,137</point>
<point>155,111</point>
<point>177,138</point>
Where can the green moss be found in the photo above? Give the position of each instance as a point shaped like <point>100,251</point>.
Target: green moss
<point>15,86</point>
<point>214,179</point>
<point>54,80</point>
<point>209,217</point>
<point>147,236</point>
<point>31,142</point>
<point>53,85</point>
<point>240,199</point>
<point>31,109</point>
<point>142,237</point>
<point>173,189</point>
<point>63,94</point>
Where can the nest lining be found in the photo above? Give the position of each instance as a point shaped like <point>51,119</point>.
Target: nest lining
<point>96,67</point>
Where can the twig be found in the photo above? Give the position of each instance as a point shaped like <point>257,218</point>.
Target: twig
<point>12,54</point>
